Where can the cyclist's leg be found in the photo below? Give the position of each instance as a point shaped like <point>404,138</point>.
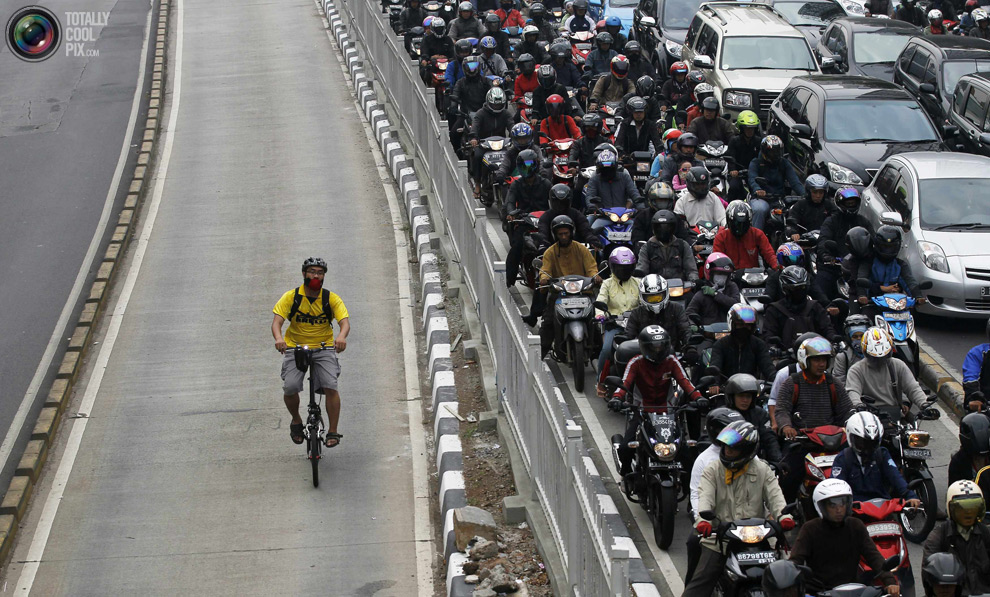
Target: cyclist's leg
<point>292,384</point>
<point>333,413</point>
<point>327,369</point>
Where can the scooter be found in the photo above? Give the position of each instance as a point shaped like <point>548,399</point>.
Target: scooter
<point>749,550</point>
<point>881,518</point>
<point>394,10</point>
<point>753,288</point>
<point>895,315</point>
<point>558,151</point>
<point>573,313</point>
<point>533,244</point>
<point>491,161</point>
<point>581,46</point>
<point>823,444</point>
<point>706,232</point>
<point>618,232</point>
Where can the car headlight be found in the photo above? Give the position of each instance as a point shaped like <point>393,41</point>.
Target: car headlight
<point>843,175</point>
<point>933,256</point>
<point>673,48</point>
<point>854,9</point>
<point>665,451</point>
<point>738,99</point>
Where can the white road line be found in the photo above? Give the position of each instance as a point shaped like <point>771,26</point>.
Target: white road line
<point>417,437</point>
<point>54,497</point>
<point>17,423</point>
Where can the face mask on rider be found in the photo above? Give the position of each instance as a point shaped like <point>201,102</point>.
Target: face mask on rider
<point>742,333</point>
<point>719,280</point>
<point>314,283</point>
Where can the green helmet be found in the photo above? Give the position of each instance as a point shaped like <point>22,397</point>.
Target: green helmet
<point>748,118</point>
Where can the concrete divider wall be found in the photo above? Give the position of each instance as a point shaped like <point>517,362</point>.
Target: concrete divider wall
<point>598,555</point>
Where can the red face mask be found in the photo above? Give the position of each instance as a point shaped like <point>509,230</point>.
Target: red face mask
<point>314,283</point>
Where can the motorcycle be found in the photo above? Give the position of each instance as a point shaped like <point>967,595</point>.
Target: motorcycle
<point>515,38</point>
<point>533,245</point>
<point>394,10</point>
<point>618,232</point>
<point>524,105</point>
<point>638,164</point>
<point>895,316</point>
<point>558,151</point>
<point>749,550</point>
<point>881,518</point>
<point>492,192</point>
<point>823,444</point>
<point>581,46</point>
<point>713,154</point>
<point>753,288</point>
<point>573,313</point>
<point>706,232</point>
<point>610,119</point>
<point>438,66</point>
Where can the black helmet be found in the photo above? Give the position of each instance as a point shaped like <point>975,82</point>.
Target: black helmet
<point>463,47</point>
<point>472,66</point>
<point>603,38</point>
<point>559,50</point>
<point>561,222</point>
<point>547,76</point>
<point>607,164</point>
<point>860,242</point>
<point>660,195</point>
<point>664,224</point>
<point>465,7</point>
<point>887,243</point>
<point>632,48</point>
<point>526,64</point>
<point>636,104</point>
<point>654,343</point>
<point>718,419</point>
<point>528,163</point>
<point>560,196</point>
<point>507,4</point>
<point>974,434</point>
<point>591,120</point>
<point>492,19</point>
<point>709,103</point>
<point>314,262</point>
<point>771,147</point>
<point>794,283</point>
<point>698,181</point>
<point>537,11</point>
<point>943,568</point>
<point>742,436</point>
<point>580,5</point>
<point>739,217</point>
<point>645,85</point>
<point>695,77</point>
<point>783,578</point>
<point>741,383</point>
<point>848,200</point>
<point>687,140</point>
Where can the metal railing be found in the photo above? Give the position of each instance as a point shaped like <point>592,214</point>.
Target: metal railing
<point>565,480</point>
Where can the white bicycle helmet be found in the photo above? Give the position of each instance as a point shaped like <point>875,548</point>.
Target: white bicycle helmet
<point>864,431</point>
<point>877,343</point>
<point>653,293</point>
<point>832,489</point>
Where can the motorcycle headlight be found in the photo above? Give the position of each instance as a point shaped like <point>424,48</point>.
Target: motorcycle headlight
<point>933,256</point>
<point>754,278</point>
<point>750,534</point>
<point>738,99</point>
<point>665,451</point>
<point>843,175</point>
<point>572,286</point>
<point>625,217</point>
<point>673,48</point>
<point>563,146</point>
<point>898,305</point>
<point>497,145</point>
<point>442,65</point>
<point>917,439</point>
<point>676,292</point>
<point>613,217</point>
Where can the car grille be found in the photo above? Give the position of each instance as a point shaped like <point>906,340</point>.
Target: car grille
<point>978,274</point>
<point>766,100</point>
<point>980,304</point>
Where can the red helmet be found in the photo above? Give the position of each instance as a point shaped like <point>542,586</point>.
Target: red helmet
<point>555,105</point>
<point>681,68</point>
<point>620,67</point>
<point>971,4</point>
<point>600,25</point>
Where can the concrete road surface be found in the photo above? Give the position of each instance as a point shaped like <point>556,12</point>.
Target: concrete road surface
<point>64,136</point>
<point>185,481</point>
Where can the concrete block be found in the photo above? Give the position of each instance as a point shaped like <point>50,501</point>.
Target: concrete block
<point>69,366</point>
<point>97,289</point>
<point>106,270</point>
<point>16,499</point>
<point>88,315</point>
<point>46,425</point>
<point>471,522</point>
<point>470,349</point>
<point>487,421</point>
<point>514,509</point>
<point>8,531</point>
<point>33,459</point>
<point>58,396</point>
<point>80,337</point>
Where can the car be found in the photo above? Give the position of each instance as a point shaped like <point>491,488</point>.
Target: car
<point>843,127</point>
<point>811,17</point>
<point>930,66</point>
<point>623,9</point>
<point>660,27</point>
<point>748,52</point>
<point>867,46</point>
<point>941,203</point>
<point>968,114</point>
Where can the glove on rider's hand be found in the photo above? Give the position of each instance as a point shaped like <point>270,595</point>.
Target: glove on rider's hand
<point>615,405</point>
<point>787,522</point>
<point>709,291</point>
<point>704,528</point>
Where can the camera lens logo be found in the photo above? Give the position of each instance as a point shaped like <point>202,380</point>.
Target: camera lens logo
<point>33,33</point>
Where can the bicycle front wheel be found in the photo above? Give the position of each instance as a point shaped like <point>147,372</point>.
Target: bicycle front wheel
<point>314,457</point>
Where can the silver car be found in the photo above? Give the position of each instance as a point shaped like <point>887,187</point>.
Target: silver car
<point>942,202</point>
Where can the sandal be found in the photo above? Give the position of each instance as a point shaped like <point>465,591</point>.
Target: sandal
<point>332,436</point>
<point>296,433</point>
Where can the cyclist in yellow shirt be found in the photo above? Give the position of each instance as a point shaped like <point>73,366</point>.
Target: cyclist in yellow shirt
<point>310,309</point>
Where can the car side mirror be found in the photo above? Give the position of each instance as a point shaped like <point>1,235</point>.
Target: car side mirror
<point>891,218</point>
<point>802,131</point>
<point>648,22</point>
<point>927,88</point>
<point>704,62</point>
<point>828,63</point>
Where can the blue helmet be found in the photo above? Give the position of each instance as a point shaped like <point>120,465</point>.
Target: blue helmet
<point>613,21</point>
<point>790,254</point>
<point>488,42</point>
<point>521,135</point>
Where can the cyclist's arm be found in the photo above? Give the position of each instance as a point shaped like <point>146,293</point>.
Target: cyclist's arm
<point>277,322</point>
<point>340,342</point>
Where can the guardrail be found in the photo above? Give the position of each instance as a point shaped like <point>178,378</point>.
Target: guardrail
<point>594,544</point>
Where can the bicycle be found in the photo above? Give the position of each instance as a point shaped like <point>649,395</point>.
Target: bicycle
<point>314,431</point>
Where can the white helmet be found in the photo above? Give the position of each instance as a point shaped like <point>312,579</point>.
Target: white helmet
<point>653,293</point>
<point>530,29</point>
<point>934,15</point>
<point>964,503</point>
<point>877,343</point>
<point>832,489</point>
<point>864,431</point>
<point>980,15</point>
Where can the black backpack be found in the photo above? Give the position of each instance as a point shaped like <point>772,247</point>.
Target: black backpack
<point>297,301</point>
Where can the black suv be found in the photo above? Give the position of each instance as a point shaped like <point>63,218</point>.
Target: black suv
<point>660,27</point>
<point>866,46</point>
<point>929,67</point>
<point>969,113</point>
<point>844,127</point>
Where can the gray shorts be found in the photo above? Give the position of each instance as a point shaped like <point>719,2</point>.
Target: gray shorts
<point>325,368</point>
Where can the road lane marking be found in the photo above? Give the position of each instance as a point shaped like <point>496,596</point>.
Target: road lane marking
<point>40,539</point>
<point>30,396</point>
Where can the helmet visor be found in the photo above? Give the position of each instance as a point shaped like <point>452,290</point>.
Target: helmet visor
<point>863,445</point>
<point>835,508</point>
<point>656,298</point>
<point>966,510</point>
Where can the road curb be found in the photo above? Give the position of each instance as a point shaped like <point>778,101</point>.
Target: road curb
<point>948,389</point>
<point>446,430</point>
<point>31,461</point>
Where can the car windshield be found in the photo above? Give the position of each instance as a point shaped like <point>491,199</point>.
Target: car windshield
<point>850,121</point>
<point>783,53</point>
<point>623,2</point>
<point>969,208</point>
<point>678,14</point>
<point>876,48</point>
<point>952,70</point>
<point>819,14</point>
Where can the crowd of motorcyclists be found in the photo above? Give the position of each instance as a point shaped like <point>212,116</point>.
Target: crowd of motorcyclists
<point>722,281</point>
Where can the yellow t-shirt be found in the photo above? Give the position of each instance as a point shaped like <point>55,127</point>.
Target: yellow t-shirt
<point>310,325</point>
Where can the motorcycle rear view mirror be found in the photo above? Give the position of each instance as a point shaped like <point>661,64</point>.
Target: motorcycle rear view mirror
<point>708,515</point>
<point>713,371</point>
<point>707,381</point>
<point>600,306</point>
<point>538,263</point>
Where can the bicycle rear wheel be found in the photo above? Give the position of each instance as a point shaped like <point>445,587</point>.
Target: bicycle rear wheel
<point>314,455</point>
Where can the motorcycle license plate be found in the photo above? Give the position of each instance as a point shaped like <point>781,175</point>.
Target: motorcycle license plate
<point>617,235</point>
<point>918,453</point>
<point>495,156</point>
<point>609,122</point>
<point>573,303</point>
<point>757,557</point>
<point>825,460</point>
<point>753,291</point>
<point>897,316</point>
<point>884,528</point>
